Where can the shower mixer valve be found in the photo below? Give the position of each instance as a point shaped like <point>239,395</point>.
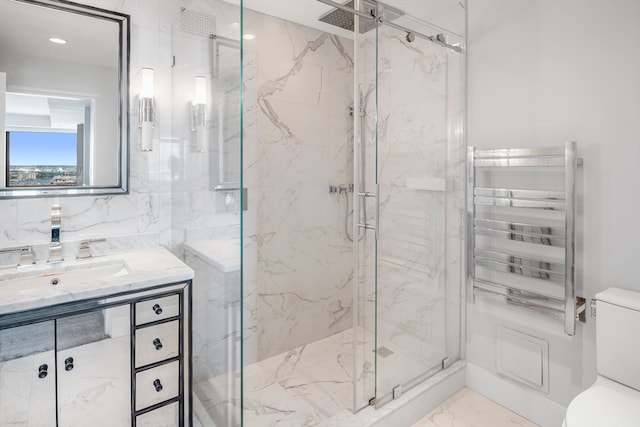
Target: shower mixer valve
<point>347,188</point>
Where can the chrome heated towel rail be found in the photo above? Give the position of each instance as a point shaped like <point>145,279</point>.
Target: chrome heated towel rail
<point>521,241</point>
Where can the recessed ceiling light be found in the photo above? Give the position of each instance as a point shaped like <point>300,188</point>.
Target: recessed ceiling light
<point>248,37</point>
<point>57,40</point>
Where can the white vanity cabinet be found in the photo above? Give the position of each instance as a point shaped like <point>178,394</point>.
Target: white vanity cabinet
<point>28,375</point>
<point>93,368</point>
<point>117,361</point>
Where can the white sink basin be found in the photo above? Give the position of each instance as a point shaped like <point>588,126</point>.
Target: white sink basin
<point>63,276</point>
<point>122,272</point>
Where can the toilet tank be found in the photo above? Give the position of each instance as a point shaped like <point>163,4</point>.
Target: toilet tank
<point>618,336</point>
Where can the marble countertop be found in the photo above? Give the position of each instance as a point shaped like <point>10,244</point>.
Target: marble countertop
<point>223,254</point>
<point>29,287</point>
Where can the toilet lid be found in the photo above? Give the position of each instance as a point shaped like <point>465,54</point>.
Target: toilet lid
<point>605,403</point>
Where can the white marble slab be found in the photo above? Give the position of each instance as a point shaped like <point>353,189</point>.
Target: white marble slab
<point>221,254</point>
<point>144,268</point>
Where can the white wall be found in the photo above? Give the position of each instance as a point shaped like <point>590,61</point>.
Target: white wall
<point>540,73</point>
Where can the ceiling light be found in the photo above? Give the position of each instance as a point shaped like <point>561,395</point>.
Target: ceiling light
<point>57,40</point>
<point>248,37</point>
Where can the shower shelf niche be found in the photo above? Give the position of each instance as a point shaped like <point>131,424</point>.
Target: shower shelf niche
<point>521,229</point>
<point>426,184</point>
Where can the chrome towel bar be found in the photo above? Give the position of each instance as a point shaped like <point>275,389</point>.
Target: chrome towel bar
<point>499,242</point>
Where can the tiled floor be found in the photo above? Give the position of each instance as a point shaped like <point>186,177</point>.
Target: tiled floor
<point>308,385</point>
<point>311,384</point>
<point>468,408</point>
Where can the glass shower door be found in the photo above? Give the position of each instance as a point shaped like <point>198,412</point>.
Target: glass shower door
<point>412,163</point>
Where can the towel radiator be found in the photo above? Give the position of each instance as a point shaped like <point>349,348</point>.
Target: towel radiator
<point>521,241</point>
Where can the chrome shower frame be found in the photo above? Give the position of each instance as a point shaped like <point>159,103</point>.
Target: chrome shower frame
<point>380,19</point>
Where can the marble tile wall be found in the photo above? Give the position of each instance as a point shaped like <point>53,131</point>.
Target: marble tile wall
<point>297,142</point>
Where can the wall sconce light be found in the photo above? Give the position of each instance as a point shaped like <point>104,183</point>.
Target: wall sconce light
<point>199,114</point>
<point>146,113</point>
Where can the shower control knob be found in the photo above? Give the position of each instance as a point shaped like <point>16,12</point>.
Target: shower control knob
<point>68,363</point>
<point>157,309</point>
<point>158,385</point>
<point>43,370</point>
<point>157,343</point>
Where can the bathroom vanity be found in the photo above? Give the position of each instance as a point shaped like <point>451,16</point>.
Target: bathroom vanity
<point>100,342</point>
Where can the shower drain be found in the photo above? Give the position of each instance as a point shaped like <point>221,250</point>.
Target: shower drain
<point>383,352</point>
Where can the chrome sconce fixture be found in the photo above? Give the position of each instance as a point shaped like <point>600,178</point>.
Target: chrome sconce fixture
<point>199,110</point>
<point>146,109</point>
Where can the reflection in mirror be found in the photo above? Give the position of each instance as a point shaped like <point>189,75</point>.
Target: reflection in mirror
<point>46,140</point>
<point>64,94</point>
<point>226,96</point>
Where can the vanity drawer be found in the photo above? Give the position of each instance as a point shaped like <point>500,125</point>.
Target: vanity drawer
<point>156,343</point>
<point>166,416</point>
<point>157,309</point>
<point>156,385</point>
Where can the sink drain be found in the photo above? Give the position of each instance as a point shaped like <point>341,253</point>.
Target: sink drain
<point>55,281</point>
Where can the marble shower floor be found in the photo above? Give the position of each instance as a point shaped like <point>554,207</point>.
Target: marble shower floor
<point>468,408</point>
<point>308,385</point>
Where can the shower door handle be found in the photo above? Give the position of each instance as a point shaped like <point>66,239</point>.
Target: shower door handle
<point>377,224</point>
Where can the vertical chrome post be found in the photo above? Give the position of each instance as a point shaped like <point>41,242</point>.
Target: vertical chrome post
<point>471,183</point>
<point>357,140</point>
<point>571,166</point>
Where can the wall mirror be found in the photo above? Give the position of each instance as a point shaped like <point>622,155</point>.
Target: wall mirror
<point>64,99</point>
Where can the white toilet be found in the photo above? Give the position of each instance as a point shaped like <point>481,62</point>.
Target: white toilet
<point>614,399</point>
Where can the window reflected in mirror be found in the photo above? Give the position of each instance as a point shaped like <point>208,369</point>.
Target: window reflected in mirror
<point>42,158</point>
<point>47,140</point>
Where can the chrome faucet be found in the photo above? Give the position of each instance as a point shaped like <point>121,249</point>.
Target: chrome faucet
<point>55,248</point>
<point>26,255</point>
<point>85,247</point>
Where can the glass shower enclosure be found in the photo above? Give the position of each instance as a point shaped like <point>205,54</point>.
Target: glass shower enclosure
<point>319,198</point>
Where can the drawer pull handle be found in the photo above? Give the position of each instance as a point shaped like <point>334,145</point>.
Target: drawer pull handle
<point>158,385</point>
<point>157,309</point>
<point>157,343</point>
<point>43,370</point>
<point>68,363</point>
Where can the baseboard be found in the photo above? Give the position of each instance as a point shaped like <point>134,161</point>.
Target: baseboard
<point>515,397</point>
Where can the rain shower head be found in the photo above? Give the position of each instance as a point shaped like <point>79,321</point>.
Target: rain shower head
<point>345,20</point>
